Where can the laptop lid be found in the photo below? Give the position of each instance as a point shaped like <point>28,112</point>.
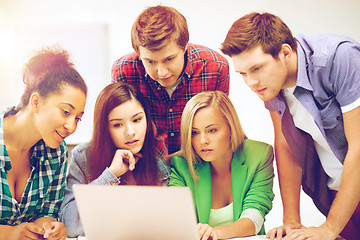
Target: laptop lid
<point>136,212</point>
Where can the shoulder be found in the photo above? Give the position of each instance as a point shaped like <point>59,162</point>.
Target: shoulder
<point>127,65</point>
<point>321,48</point>
<point>81,150</point>
<point>251,145</point>
<point>205,54</point>
<point>128,58</point>
<point>256,151</point>
<point>179,162</point>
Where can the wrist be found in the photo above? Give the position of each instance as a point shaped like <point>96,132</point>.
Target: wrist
<point>331,228</point>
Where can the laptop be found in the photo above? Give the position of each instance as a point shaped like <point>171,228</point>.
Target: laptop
<point>136,212</point>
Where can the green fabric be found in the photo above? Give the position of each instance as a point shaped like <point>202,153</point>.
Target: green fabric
<point>252,174</point>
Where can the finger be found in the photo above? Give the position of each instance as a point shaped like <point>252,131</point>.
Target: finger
<point>34,229</point>
<point>214,235</point>
<point>207,234</point>
<point>47,226</point>
<point>280,233</point>
<point>271,234</point>
<point>132,163</point>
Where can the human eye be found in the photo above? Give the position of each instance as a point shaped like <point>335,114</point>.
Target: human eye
<point>213,130</point>
<point>78,119</point>
<point>116,125</point>
<point>256,69</point>
<point>169,59</point>
<point>193,133</point>
<point>137,120</point>
<point>65,112</point>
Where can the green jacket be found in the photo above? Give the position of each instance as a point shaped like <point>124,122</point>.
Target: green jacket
<point>252,176</point>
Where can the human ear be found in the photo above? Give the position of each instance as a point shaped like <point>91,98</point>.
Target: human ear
<point>286,50</point>
<point>34,101</point>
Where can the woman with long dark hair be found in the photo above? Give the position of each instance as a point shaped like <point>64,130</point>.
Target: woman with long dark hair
<point>122,149</point>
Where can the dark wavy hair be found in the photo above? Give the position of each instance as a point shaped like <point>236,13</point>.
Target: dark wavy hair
<point>102,148</point>
<point>47,72</point>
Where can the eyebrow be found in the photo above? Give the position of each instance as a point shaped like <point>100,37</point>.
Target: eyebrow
<point>119,119</point>
<point>211,125</point>
<point>171,55</point>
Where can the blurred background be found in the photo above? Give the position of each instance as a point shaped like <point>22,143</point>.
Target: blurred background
<point>97,32</point>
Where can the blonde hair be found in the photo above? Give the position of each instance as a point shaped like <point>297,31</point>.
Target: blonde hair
<point>218,100</point>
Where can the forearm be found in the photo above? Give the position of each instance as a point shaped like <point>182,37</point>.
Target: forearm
<point>347,198</point>
<point>289,174</point>
<point>240,228</point>
<point>5,231</point>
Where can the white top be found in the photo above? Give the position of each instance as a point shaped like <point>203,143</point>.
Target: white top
<point>224,216</point>
<point>303,120</point>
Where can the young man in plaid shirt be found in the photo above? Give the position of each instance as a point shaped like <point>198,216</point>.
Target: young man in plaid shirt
<point>168,70</point>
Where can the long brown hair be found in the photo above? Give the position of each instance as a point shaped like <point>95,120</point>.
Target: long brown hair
<point>102,148</point>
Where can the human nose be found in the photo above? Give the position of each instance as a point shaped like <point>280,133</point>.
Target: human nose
<point>251,81</point>
<point>130,131</point>
<point>204,140</point>
<point>70,126</point>
<point>162,70</point>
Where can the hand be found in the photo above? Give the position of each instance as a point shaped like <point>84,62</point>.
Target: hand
<point>313,233</point>
<point>54,230</point>
<point>206,232</point>
<point>26,231</point>
<point>283,230</point>
<point>122,162</point>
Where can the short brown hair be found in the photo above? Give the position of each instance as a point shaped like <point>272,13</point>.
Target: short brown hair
<point>158,25</point>
<point>251,30</point>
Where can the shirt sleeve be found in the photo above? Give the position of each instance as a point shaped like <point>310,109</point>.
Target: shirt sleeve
<point>260,194</point>
<point>255,216</point>
<point>55,193</point>
<point>176,179</point>
<point>224,77</point>
<point>77,175</point>
<point>345,75</point>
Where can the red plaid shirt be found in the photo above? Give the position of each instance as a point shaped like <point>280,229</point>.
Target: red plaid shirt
<point>205,70</point>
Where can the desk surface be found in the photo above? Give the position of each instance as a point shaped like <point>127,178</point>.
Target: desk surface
<point>258,237</point>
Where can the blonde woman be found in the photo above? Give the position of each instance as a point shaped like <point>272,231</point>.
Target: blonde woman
<point>231,177</point>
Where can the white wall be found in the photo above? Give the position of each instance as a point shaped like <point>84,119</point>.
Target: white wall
<point>98,32</point>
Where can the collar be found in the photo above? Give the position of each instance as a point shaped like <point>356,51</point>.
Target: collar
<point>302,66</point>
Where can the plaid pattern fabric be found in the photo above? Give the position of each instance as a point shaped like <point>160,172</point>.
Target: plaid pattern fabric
<point>44,191</point>
<point>205,70</point>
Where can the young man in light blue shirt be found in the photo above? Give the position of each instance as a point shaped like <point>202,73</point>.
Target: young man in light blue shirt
<point>311,86</point>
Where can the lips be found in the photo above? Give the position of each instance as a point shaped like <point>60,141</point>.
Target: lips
<point>206,150</point>
<point>132,142</point>
<point>260,91</point>
<point>62,136</point>
<point>165,79</point>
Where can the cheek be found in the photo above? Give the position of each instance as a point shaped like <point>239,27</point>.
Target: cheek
<point>195,144</point>
<point>116,136</point>
<point>151,70</point>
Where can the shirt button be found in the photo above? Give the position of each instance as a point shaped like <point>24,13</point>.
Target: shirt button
<point>338,118</point>
<point>170,110</point>
<point>279,112</point>
<point>172,134</point>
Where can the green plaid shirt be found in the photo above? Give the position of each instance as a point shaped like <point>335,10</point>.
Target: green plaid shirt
<point>44,190</point>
